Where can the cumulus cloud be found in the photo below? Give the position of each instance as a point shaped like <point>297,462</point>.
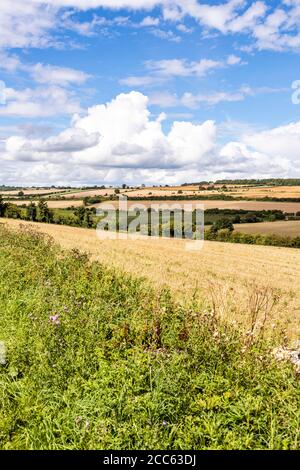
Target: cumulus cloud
<point>121,134</point>
<point>39,102</point>
<point>70,140</point>
<point>120,141</point>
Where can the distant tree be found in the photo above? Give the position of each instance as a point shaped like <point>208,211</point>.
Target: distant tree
<point>2,206</point>
<point>12,211</point>
<point>44,213</point>
<point>80,214</point>
<point>21,193</point>
<point>124,186</point>
<point>31,212</point>
<point>117,191</point>
<point>87,220</point>
<point>222,224</point>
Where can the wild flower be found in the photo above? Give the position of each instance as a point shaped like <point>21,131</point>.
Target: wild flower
<point>54,319</point>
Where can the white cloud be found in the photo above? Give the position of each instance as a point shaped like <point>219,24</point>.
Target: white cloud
<point>43,73</point>
<point>149,21</point>
<point>233,60</point>
<point>182,67</point>
<point>138,150</point>
<point>54,75</point>
<point>163,70</point>
<point>282,141</point>
<point>26,26</point>
<point>39,102</point>
<point>165,99</point>
<point>268,25</point>
<point>136,140</point>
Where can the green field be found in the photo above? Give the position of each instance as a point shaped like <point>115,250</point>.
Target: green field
<point>96,359</point>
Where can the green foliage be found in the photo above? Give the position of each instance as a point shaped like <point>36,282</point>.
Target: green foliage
<point>242,216</point>
<point>12,211</point>
<point>31,212</point>
<point>2,206</point>
<point>98,360</point>
<point>222,224</point>
<point>251,239</point>
<point>263,182</point>
<point>44,213</point>
<point>90,200</point>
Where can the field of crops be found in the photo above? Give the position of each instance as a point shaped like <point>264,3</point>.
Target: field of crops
<point>233,270</point>
<point>33,191</point>
<point>52,204</point>
<point>97,359</point>
<point>290,228</point>
<point>291,207</point>
<point>165,191</point>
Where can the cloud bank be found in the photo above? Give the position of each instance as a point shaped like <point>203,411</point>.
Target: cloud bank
<point>121,141</point>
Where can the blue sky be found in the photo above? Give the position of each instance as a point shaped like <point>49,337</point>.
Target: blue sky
<point>146,91</point>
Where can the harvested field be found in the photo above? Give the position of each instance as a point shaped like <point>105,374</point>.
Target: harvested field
<point>290,207</point>
<point>53,204</point>
<point>267,191</point>
<point>33,191</point>
<point>232,190</point>
<point>232,270</point>
<point>290,228</point>
<point>92,192</point>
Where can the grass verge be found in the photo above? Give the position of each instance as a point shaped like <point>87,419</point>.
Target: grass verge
<point>96,359</point>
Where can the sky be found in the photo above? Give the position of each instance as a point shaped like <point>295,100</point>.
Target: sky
<point>148,91</point>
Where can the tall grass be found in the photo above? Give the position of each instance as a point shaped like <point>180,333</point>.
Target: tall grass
<point>96,359</point>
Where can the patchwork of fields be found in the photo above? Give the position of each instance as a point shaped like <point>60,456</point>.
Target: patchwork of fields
<point>290,207</point>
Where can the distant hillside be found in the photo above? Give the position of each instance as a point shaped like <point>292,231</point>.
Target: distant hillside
<point>256,182</point>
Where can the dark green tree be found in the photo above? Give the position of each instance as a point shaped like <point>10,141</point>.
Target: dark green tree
<point>44,213</point>
<point>12,211</point>
<point>80,214</point>
<point>31,212</point>
<point>221,224</point>
<point>2,206</point>
<point>87,221</point>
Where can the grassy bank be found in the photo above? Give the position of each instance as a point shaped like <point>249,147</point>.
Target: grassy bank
<point>96,359</point>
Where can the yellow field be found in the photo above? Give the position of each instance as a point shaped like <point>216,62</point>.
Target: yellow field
<point>290,228</point>
<point>291,207</point>
<point>53,204</point>
<point>272,191</point>
<point>232,190</point>
<point>231,270</point>
<point>92,192</point>
<point>190,190</point>
<point>33,191</point>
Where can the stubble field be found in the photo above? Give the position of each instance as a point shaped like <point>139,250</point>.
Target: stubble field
<point>231,272</point>
<point>290,228</point>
